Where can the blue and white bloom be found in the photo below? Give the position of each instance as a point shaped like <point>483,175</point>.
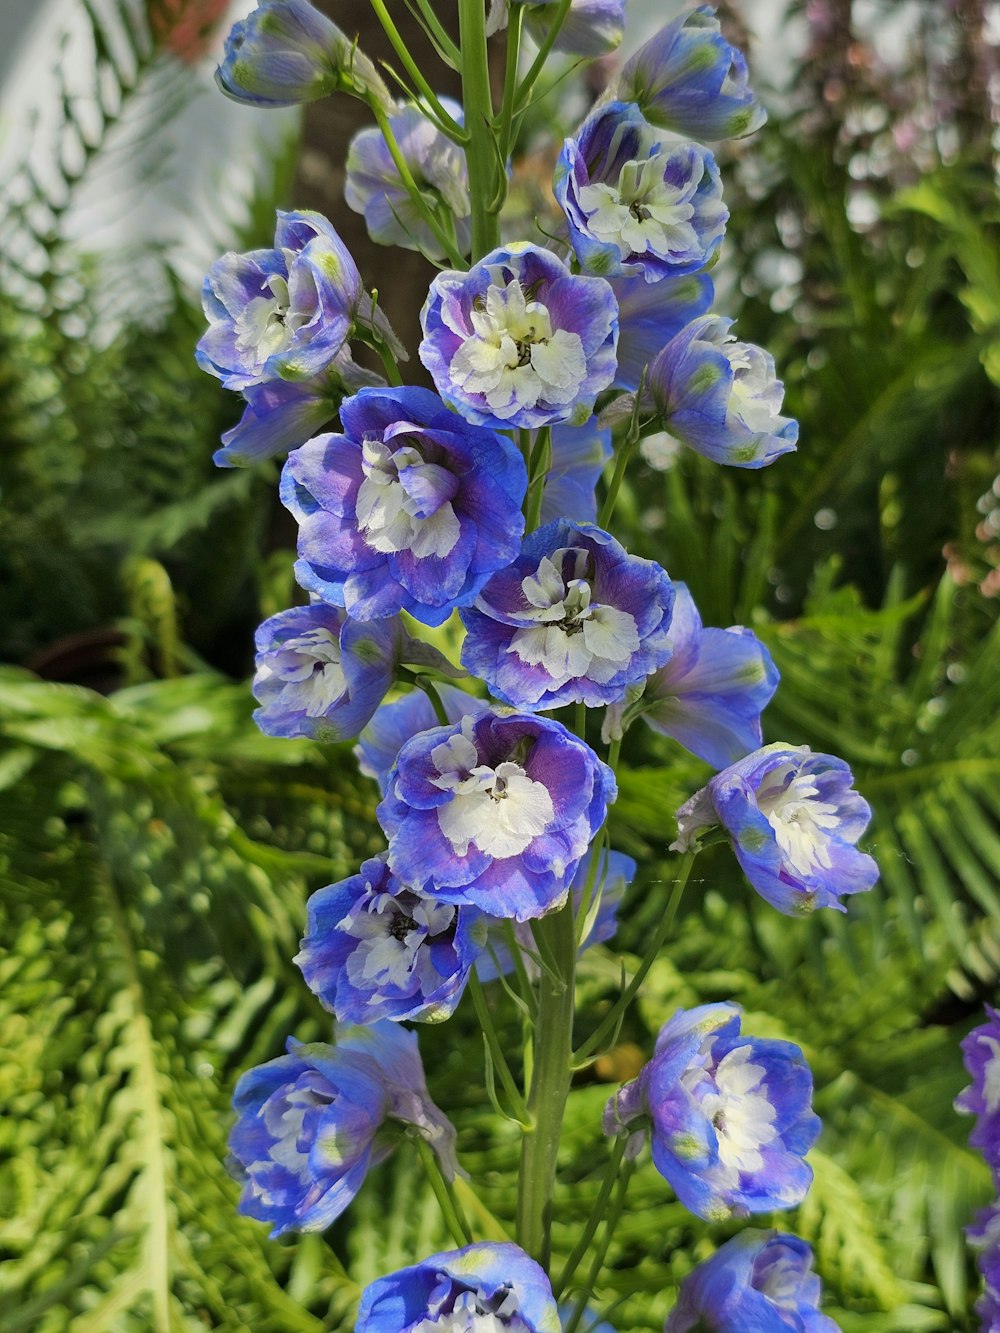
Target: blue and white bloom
<point>496,812</point>
<point>793,819</point>
<point>712,691</point>
<point>483,1288</point>
<point>589,28</point>
<point>519,340</point>
<point>597,890</point>
<point>286,52</point>
<point>981,1053</point>
<point>392,725</point>
<point>731,1115</point>
<point>282,414</point>
<point>720,397</point>
<point>310,1124</point>
<point>374,187</point>
<point>760,1281</point>
<point>635,204</point>
<point>575,618</point>
<point>320,674</point>
<point>410,509</point>
<point>375,949</point>
<point>285,313</point>
<point>687,78</point>
<point>649,316</point>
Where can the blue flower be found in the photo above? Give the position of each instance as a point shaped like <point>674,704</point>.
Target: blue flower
<point>730,1115</point>
<point>711,692</point>
<point>600,894</point>
<point>519,340</point>
<point>492,1286</point>
<point>375,949</point>
<point>394,724</point>
<point>649,316</point>
<point>282,414</point>
<point>320,674</point>
<point>721,397</point>
<point>496,812</point>
<point>635,204</point>
<point>589,28</point>
<point>410,509</point>
<point>981,1053</point>
<point>575,618</point>
<point>760,1281</point>
<point>310,1124</point>
<point>793,819</point>
<point>284,313</point>
<point>984,1237</point>
<point>687,78</point>
<point>579,454</point>
<point>286,52</point>
<point>374,187</point>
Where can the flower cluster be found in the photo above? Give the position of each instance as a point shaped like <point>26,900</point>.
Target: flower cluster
<point>472,510</point>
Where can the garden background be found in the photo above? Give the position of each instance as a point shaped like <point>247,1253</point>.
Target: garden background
<point>156,851</point>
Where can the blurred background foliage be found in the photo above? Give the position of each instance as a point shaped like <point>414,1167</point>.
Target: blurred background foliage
<point>156,851</point>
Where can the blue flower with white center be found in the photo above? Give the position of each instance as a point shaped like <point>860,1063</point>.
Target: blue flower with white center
<point>487,1288</point>
<point>282,414</point>
<point>687,78</point>
<point>720,397</point>
<point>411,509</point>
<point>599,894</point>
<point>635,204</point>
<point>730,1116</point>
<point>981,1053</point>
<point>496,812</point>
<point>579,454</point>
<point>712,691</point>
<point>320,674</point>
<point>392,725</point>
<point>793,819</point>
<point>285,314</point>
<point>519,340</point>
<point>312,1122</point>
<point>574,619</point>
<point>286,52</point>
<point>376,949</point>
<point>760,1281</point>
<point>649,316</point>
<point>375,189</point>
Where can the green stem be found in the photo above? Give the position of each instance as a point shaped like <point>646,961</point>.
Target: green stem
<point>521,1111</point>
<point>480,151</point>
<point>549,1086</point>
<point>601,1252</point>
<point>538,470</point>
<point>448,124</point>
<point>447,49</point>
<point>413,189</point>
<point>538,64</point>
<point>594,1220</point>
<point>607,1025</point>
<point>430,689</point>
<point>617,477</point>
<point>451,1210</point>
<point>515,24</point>
<point>389,362</point>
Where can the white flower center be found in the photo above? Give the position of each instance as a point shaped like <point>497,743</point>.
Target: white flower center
<point>404,503</point>
<point>801,823</point>
<point>756,395</point>
<point>645,214</point>
<point>515,358</point>
<point>575,637</point>
<point>741,1113</point>
<point>267,324</point>
<point>991,1074</point>
<point>391,933</point>
<point>283,1114</point>
<point>499,809</point>
<point>471,1313</point>
<point>309,664</point>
